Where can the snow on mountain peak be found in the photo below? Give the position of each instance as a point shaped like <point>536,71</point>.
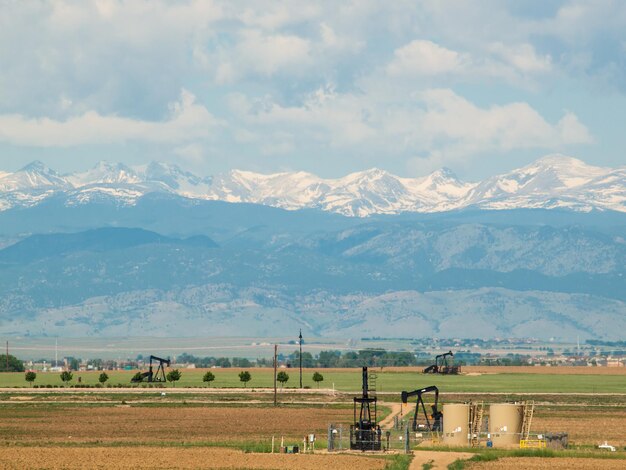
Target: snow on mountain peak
<point>549,182</point>
<point>560,171</point>
<point>35,166</point>
<point>104,173</point>
<point>34,176</point>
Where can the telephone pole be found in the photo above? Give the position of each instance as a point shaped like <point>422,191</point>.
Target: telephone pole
<point>300,337</point>
<point>275,366</point>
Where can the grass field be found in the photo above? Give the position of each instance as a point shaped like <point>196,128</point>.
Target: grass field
<point>506,380</point>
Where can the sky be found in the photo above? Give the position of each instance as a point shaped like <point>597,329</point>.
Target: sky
<point>328,87</point>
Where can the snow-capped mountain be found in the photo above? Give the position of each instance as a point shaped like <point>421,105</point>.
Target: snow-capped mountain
<point>35,175</point>
<point>554,181</point>
<point>104,173</point>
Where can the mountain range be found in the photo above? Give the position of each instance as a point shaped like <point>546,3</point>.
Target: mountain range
<point>155,250</point>
<point>552,182</point>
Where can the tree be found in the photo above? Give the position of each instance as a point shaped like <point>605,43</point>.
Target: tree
<point>103,378</point>
<point>73,363</point>
<point>173,376</point>
<point>138,377</point>
<point>282,377</point>
<point>208,377</point>
<point>30,377</point>
<point>66,376</point>
<point>222,362</point>
<point>241,362</point>
<point>245,377</point>
<point>317,378</point>
<point>15,365</point>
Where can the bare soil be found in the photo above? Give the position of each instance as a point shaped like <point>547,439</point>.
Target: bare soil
<point>76,425</point>
<point>174,458</point>
<point>534,463</point>
<point>584,425</point>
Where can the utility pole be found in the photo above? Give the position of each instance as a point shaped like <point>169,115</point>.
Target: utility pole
<point>300,337</point>
<point>275,366</point>
<point>7,356</point>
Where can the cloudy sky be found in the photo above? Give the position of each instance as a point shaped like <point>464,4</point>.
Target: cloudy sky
<point>327,87</point>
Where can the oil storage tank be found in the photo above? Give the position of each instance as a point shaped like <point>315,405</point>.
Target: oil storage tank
<point>456,424</point>
<point>505,424</point>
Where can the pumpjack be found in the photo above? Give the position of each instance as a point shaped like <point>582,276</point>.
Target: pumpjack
<point>442,366</point>
<point>151,376</point>
<point>437,416</point>
<point>365,434</point>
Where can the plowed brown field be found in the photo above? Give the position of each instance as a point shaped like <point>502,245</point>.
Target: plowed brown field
<point>163,424</point>
<point>174,458</point>
<point>584,425</point>
<point>533,463</point>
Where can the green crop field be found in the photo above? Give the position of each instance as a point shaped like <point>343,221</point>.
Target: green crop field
<point>350,380</point>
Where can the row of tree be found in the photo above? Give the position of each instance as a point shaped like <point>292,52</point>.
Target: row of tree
<point>325,359</point>
<point>66,377</point>
<point>363,357</point>
<point>175,375</point>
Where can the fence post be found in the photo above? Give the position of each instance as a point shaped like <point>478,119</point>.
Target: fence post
<point>341,437</point>
<point>406,440</point>
<point>330,446</point>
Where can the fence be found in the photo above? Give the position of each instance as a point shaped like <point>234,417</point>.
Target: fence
<point>398,439</point>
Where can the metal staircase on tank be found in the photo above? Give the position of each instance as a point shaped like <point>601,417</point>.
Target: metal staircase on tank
<point>371,381</point>
<point>528,409</point>
<point>476,419</point>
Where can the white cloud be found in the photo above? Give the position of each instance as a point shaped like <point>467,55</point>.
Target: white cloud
<point>101,70</point>
<point>573,131</point>
<point>431,122</point>
<point>187,120</point>
<point>516,64</point>
<point>522,57</point>
<point>502,127</point>
<point>262,54</point>
<point>422,57</point>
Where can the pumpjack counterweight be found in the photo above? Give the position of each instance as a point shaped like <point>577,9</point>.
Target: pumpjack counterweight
<point>365,433</point>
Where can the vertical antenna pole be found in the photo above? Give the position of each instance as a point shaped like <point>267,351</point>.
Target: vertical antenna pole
<point>300,357</point>
<point>275,366</point>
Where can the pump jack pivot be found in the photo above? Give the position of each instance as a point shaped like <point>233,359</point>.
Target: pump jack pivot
<point>436,416</point>
<point>150,376</point>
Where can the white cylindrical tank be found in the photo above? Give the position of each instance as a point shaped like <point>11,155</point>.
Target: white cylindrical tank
<point>505,424</point>
<point>455,424</point>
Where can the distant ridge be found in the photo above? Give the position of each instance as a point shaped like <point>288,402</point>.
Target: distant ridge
<point>552,182</point>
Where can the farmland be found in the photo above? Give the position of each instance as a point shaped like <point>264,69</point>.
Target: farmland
<point>228,425</point>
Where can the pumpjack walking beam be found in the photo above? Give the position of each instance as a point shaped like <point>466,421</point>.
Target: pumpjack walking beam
<point>436,416</point>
